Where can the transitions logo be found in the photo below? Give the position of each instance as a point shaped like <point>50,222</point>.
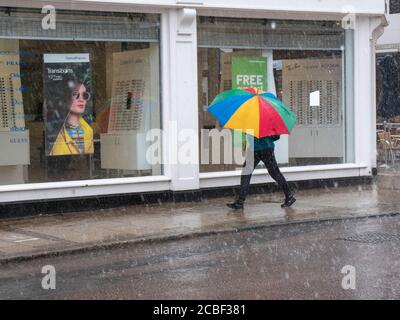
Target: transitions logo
<point>50,71</point>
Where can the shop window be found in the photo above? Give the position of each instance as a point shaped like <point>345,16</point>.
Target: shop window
<point>76,102</point>
<point>394,6</point>
<point>304,68</point>
<point>388,87</point>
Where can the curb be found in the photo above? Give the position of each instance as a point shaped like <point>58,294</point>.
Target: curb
<point>161,238</point>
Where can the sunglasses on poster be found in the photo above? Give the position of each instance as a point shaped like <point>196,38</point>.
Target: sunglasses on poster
<point>85,95</point>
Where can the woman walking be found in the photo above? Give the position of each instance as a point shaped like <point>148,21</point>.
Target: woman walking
<point>263,115</point>
<point>262,150</point>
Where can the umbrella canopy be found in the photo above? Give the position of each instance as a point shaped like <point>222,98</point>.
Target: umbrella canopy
<point>251,109</point>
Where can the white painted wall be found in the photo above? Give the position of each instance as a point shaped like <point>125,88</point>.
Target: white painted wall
<point>392,31</point>
<point>366,7</point>
<point>366,33</point>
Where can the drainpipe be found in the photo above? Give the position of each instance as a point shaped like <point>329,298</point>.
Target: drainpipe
<point>377,26</point>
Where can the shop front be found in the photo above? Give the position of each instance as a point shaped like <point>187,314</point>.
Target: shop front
<point>110,98</point>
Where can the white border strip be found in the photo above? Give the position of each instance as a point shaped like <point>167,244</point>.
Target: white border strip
<point>232,178</point>
<point>120,186</point>
<point>88,188</point>
<point>81,183</point>
<point>289,7</point>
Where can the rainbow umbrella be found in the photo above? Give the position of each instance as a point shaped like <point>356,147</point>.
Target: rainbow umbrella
<point>251,109</point>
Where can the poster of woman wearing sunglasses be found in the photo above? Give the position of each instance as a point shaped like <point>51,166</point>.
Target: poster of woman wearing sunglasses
<point>67,88</point>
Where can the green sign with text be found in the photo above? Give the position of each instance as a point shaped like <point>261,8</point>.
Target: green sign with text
<point>249,72</point>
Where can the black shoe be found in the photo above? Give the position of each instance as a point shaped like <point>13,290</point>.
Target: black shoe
<point>288,202</point>
<point>235,205</point>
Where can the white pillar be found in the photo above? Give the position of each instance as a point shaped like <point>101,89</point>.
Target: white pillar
<point>363,106</point>
<point>179,82</point>
<point>366,33</point>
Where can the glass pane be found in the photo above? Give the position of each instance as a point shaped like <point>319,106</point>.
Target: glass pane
<point>78,109</point>
<point>394,6</point>
<point>306,73</point>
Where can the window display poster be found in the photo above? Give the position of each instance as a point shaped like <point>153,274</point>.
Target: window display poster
<point>11,101</point>
<point>226,65</point>
<point>248,72</point>
<point>130,92</point>
<point>68,108</point>
<point>312,87</point>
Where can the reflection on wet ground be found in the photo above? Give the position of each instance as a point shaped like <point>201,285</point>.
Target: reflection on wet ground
<point>74,231</point>
<point>298,261</point>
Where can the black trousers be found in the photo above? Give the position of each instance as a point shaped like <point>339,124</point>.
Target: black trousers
<point>268,157</point>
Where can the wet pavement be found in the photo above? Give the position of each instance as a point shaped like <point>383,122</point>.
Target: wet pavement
<point>295,261</point>
<point>73,232</point>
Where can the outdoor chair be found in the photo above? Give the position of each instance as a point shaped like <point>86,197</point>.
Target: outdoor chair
<point>388,146</point>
